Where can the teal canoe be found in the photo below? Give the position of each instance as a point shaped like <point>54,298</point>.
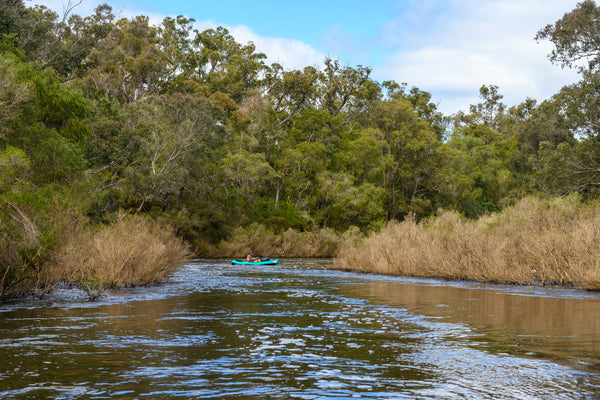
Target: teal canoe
<point>244,262</point>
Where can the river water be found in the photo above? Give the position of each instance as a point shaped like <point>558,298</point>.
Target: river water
<point>300,331</point>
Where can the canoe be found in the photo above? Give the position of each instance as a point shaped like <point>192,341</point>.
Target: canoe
<point>244,262</point>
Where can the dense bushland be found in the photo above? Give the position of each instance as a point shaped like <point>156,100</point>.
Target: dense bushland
<point>103,117</point>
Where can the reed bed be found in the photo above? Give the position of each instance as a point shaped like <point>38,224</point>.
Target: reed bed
<point>130,251</point>
<point>536,241</point>
<point>322,243</point>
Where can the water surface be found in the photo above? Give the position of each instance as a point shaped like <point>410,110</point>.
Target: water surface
<point>299,330</point>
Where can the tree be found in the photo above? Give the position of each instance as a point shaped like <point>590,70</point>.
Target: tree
<point>13,94</point>
<point>245,179</point>
<point>296,169</point>
<point>340,204</point>
<point>47,121</point>
<point>346,90</point>
<point>127,63</point>
<point>489,112</point>
<point>10,11</point>
<point>579,106</point>
<point>291,91</point>
<point>565,168</point>
<point>477,173</point>
<point>61,43</point>
<point>576,37</point>
<point>261,131</point>
<point>174,130</point>
<point>409,157</point>
<point>76,39</point>
<point>225,65</point>
<point>360,153</point>
<point>14,167</point>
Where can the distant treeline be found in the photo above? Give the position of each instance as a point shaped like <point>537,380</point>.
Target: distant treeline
<point>102,116</point>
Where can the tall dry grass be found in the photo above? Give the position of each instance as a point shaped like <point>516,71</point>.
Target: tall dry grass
<point>19,248</point>
<point>323,243</point>
<point>130,251</point>
<point>536,241</point>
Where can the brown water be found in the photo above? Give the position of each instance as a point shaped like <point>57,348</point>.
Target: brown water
<point>298,330</point>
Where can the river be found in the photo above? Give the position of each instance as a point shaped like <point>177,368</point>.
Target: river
<point>301,331</point>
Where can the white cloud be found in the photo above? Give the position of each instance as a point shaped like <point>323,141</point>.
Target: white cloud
<point>290,53</point>
<point>451,52</point>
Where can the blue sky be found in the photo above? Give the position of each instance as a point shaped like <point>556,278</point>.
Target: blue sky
<point>447,47</point>
<point>307,20</point>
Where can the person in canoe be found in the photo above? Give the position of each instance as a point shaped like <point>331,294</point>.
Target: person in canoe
<point>250,257</point>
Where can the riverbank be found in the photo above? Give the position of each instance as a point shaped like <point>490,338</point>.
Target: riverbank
<point>126,250</point>
<point>130,251</point>
<point>321,243</point>
<point>553,241</point>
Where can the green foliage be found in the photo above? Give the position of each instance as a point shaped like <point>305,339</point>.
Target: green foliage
<point>568,168</point>
<point>225,65</point>
<point>9,15</point>
<point>15,95</point>
<point>14,167</point>
<point>575,36</point>
<point>410,156</point>
<point>92,285</point>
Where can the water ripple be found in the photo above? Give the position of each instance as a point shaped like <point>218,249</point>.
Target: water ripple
<point>292,331</point>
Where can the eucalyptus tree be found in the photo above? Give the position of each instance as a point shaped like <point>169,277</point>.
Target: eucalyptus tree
<point>572,164</point>
<point>568,157</point>
<point>575,37</point>
<point>576,40</point>
<point>225,65</point>
<point>488,112</point>
<point>41,167</point>
<point>175,131</point>
<point>477,175</point>
<point>10,12</point>
<point>245,181</point>
<point>127,62</point>
<point>409,156</point>
<point>258,126</point>
<point>13,93</point>
<point>340,203</point>
<point>346,91</point>
<point>291,91</point>
<point>175,51</point>
<point>297,168</point>
<point>61,42</point>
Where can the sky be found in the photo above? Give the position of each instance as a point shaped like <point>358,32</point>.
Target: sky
<point>449,48</point>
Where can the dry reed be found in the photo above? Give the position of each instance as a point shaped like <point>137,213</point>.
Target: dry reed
<point>130,251</point>
<point>536,241</point>
<point>323,243</point>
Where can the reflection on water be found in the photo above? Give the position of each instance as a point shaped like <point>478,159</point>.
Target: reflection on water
<point>298,330</point>
<point>560,323</point>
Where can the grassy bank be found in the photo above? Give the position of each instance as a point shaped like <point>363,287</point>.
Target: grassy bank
<point>536,241</point>
<point>130,251</point>
<point>42,252</point>
<point>322,243</point>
